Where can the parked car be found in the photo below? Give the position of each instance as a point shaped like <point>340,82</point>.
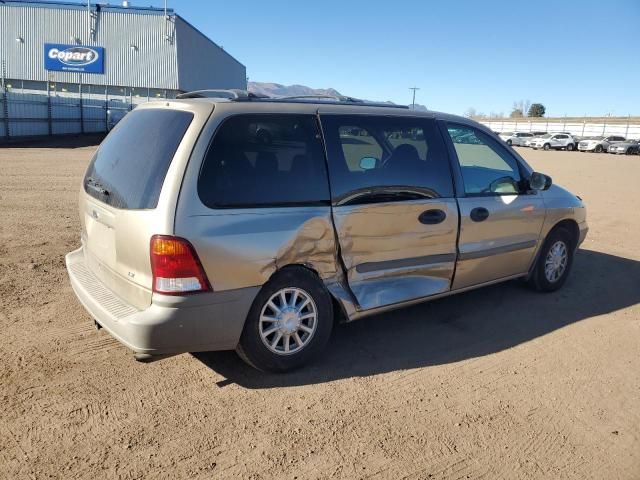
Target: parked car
<point>527,142</point>
<point>598,144</point>
<point>518,138</point>
<point>628,147</point>
<point>556,141</point>
<point>197,235</point>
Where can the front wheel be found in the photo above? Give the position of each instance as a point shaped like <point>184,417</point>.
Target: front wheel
<point>554,262</point>
<point>570,147</point>
<point>509,142</point>
<point>598,149</point>
<point>546,146</point>
<point>289,323</point>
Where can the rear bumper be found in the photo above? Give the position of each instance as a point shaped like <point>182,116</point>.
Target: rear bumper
<point>201,322</point>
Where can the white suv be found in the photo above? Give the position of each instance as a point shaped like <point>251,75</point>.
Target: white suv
<point>554,140</point>
<point>598,144</point>
<point>518,138</point>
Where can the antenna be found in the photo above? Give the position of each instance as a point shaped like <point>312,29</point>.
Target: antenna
<point>413,104</point>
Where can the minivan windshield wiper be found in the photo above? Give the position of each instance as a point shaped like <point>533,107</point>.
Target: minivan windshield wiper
<point>96,186</point>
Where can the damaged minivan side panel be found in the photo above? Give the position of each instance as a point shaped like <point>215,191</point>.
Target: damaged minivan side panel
<point>394,209</point>
<point>243,240</point>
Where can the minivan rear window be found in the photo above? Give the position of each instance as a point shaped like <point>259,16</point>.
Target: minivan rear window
<point>129,168</point>
<point>265,160</point>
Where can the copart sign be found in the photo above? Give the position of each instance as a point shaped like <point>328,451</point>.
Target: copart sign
<point>73,58</point>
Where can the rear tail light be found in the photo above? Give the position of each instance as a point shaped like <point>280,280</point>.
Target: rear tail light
<point>175,266</point>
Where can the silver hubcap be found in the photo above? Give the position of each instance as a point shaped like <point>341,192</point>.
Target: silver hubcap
<point>556,262</point>
<point>288,321</point>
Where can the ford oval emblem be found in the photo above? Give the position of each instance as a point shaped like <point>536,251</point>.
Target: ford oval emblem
<point>74,56</point>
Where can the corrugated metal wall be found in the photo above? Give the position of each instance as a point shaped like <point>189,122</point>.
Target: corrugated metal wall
<point>203,64</point>
<point>147,56</point>
<point>153,63</point>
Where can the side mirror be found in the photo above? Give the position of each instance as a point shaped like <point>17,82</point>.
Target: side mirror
<point>539,181</point>
<point>368,163</point>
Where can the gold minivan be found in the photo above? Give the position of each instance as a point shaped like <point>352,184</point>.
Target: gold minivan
<point>224,220</point>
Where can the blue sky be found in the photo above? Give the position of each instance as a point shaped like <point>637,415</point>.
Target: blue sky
<point>574,56</point>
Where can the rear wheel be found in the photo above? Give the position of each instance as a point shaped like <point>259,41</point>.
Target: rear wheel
<point>509,142</point>
<point>598,149</point>
<point>289,322</point>
<point>546,146</point>
<point>554,262</point>
<point>570,147</point>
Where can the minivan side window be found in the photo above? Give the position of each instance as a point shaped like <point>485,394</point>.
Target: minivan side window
<point>487,168</point>
<point>265,160</point>
<point>380,158</point>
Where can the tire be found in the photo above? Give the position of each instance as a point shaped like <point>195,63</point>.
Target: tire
<point>551,279</point>
<point>598,149</point>
<point>546,146</point>
<point>509,142</point>
<point>299,285</point>
<point>570,147</point>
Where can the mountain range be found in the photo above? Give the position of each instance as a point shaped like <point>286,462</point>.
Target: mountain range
<point>279,90</point>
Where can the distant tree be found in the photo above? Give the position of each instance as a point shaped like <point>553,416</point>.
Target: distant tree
<point>522,105</point>
<point>470,112</point>
<point>516,113</point>
<point>537,110</point>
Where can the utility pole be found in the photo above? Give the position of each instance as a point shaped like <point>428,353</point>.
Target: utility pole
<point>413,104</point>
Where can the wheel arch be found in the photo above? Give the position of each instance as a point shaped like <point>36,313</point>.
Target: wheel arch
<point>567,224</point>
<point>339,312</point>
<point>571,226</point>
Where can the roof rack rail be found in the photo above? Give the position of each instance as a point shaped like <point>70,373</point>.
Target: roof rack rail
<point>236,95</point>
<point>338,99</point>
<point>231,94</point>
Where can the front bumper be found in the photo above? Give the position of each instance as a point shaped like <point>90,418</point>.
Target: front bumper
<point>583,228</point>
<point>171,324</point>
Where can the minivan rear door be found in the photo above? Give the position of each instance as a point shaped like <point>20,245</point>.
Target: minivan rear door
<point>393,206</point>
<point>127,193</point>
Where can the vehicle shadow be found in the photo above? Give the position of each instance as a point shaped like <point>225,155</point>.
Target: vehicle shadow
<point>455,328</point>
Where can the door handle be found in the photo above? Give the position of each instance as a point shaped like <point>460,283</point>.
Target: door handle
<point>432,217</point>
<point>479,214</point>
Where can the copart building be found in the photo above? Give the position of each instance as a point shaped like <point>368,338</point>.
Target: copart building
<point>74,68</point>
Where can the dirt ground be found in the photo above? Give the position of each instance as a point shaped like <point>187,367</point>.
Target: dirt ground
<point>501,382</point>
